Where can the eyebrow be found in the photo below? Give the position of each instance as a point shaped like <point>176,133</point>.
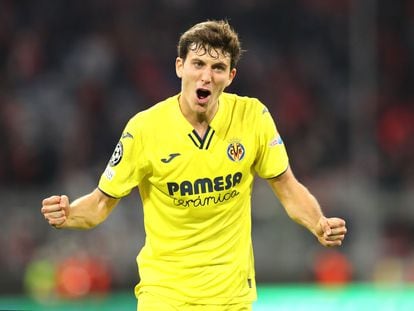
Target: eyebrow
<point>219,63</point>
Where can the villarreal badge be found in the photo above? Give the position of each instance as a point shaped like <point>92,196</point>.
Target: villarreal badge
<point>235,151</point>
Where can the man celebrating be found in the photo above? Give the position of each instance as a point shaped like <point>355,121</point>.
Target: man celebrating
<point>193,158</point>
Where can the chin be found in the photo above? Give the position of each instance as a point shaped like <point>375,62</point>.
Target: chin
<point>200,109</point>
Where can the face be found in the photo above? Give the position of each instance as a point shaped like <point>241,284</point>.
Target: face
<point>203,78</point>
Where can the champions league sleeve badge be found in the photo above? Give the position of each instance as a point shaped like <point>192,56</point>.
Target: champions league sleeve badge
<point>117,155</point>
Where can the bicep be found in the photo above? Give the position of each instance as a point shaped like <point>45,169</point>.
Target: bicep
<point>105,203</point>
<point>283,185</point>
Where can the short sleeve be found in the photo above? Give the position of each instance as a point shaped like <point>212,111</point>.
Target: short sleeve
<point>272,159</point>
<point>128,164</point>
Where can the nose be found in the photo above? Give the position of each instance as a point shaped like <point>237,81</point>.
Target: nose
<point>206,75</point>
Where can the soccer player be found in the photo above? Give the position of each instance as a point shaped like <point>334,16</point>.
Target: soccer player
<point>193,158</point>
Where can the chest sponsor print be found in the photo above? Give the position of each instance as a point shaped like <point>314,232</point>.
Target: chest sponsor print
<point>205,191</point>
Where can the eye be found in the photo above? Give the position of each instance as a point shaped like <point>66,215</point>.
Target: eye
<point>219,68</point>
<point>198,64</point>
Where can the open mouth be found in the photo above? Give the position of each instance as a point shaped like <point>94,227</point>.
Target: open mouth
<point>203,93</point>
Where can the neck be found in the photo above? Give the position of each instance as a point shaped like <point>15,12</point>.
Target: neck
<point>199,121</point>
<point>201,128</point>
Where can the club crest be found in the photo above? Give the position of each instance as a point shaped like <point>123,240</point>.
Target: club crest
<point>235,151</point>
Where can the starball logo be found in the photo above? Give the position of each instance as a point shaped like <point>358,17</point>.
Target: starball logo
<point>204,191</point>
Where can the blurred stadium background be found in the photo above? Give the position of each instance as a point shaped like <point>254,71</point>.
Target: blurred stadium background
<point>336,75</point>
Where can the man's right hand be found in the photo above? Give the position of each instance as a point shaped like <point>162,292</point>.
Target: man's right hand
<point>55,209</point>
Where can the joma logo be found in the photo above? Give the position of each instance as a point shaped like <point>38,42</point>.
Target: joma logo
<point>170,157</point>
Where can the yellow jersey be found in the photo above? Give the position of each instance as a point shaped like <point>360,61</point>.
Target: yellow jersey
<point>196,195</point>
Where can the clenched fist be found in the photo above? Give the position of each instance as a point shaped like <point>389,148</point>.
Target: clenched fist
<point>331,231</point>
<point>55,209</point>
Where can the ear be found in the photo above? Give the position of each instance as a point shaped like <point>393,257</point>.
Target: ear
<point>232,74</point>
<point>179,63</point>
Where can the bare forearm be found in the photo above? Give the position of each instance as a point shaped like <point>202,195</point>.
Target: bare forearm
<point>299,203</point>
<point>84,213</point>
<point>302,207</point>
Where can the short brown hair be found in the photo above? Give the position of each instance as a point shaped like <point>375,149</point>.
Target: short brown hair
<point>210,36</point>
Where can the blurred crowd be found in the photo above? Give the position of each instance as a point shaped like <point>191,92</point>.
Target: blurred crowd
<point>73,72</point>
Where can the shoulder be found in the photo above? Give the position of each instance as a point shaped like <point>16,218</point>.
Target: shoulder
<point>249,106</point>
<point>152,116</point>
